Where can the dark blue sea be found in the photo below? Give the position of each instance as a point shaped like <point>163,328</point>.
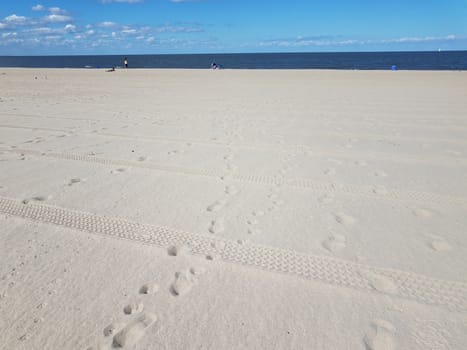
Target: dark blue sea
<point>443,60</point>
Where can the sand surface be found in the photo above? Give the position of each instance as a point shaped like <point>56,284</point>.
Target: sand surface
<point>198,209</point>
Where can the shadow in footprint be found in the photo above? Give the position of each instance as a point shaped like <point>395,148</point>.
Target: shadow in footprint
<point>35,199</point>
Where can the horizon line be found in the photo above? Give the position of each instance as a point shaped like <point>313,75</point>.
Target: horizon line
<point>239,53</point>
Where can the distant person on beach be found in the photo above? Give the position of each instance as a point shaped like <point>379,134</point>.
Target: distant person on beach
<point>125,62</point>
<point>214,65</point>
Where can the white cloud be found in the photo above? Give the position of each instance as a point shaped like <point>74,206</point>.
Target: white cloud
<point>330,41</point>
<point>52,37</point>
<point>178,29</point>
<point>57,18</point>
<point>15,19</point>
<point>40,31</point>
<point>300,41</point>
<point>107,24</point>
<point>9,35</point>
<point>69,28</point>
<point>57,11</point>
<point>38,7</point>
<point>420,39</point>
<point>129,31</point>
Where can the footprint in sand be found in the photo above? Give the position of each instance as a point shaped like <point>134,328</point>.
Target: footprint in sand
<point>361,163</point>
<point>380,336</point>
<point>231,167</point>
<point>112,328</point>
<point>231,190</point>
<point>216,206</point>
<point>133,308</point>
<point>335,243</point>
<point>380,173</point>
<point>227,177</point>
<point>149,288</point>
<point>345,219</point>
<point>177,250</point>
<point>197,271</point>
<point>133,331</point>
<point>273,196</point>
<point>243,241</point>
<point>335,161</point>
<point>252,222</point>
<point>74,181</point>
<point>212,257</point>
<point>278,202</point>
<point>118,171</point>
<point>330,171</point>
<point>217,226</point>
<point>254,231</point>
<point>218,245</point>
<point>381,283</point>
<point>326,199</point>
<point>439,244</point>
<point>380,190</point>
<point>176,151</point>
<point>338,186</point>
<point>35,199</point>
<point>422,212</point>
<point>183,283</point>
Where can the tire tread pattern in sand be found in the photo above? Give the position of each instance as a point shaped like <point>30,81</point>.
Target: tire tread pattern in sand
<point>306,184</point>
<point>419,288</point>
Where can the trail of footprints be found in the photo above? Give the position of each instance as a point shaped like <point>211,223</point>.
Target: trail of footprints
<point>335,242</point>
<point>137,320</point>
<point>273,197</point>
<point>217,225</point>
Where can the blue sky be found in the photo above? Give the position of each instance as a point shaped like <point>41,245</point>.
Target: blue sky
<point>215,26</point>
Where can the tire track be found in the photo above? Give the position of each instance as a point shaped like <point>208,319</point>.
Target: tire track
<point>48,117</point>
<point>306,149</point>
<point>419,288</point>
<point>305,184</point>
<point>372,136</point>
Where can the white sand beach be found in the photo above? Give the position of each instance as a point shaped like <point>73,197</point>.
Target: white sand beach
<point>233,209</point>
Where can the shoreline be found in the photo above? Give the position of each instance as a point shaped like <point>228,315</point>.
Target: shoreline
<point>239,69</point>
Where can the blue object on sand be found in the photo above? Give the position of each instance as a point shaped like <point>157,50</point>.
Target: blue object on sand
<point>394,68</point>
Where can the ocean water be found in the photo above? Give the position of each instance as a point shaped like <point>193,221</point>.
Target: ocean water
<point>443,60</point>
